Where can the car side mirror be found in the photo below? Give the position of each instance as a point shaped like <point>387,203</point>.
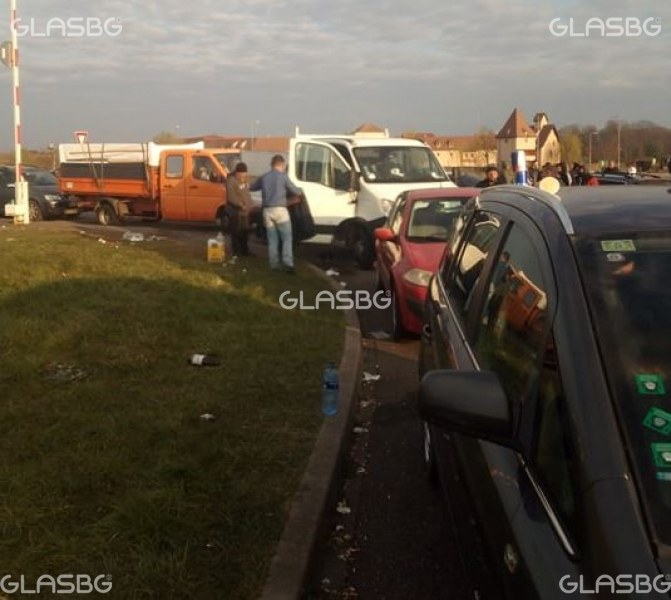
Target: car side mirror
<point>473,403</point>
<point>384,234</point>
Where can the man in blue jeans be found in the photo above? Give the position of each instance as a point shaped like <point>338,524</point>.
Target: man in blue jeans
<point>275,186</point>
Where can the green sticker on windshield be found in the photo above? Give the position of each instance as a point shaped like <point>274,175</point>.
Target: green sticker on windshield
<point>662,476</point>
<point>618,246</point>
<point>658,420</point>
<point>650,384</point>
<point>661,454</point>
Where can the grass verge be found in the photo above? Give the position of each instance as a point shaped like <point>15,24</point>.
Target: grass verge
<point>106,464</point>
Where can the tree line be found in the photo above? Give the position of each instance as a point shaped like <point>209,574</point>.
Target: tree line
<point>642,142</point>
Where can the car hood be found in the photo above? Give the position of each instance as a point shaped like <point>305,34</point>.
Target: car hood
<point>423,255</point>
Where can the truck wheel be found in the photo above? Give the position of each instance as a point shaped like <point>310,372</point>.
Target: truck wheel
<point>364,248</point>
<point>34,211</point>
<point>107,214</point>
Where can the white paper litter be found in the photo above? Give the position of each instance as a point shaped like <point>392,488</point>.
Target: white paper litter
<point>368,377</point>
<point>207,417</point>
<point>343,509</point>
<point>332,273</point>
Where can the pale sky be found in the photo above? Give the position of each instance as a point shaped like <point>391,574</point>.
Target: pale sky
<point>212,66</point>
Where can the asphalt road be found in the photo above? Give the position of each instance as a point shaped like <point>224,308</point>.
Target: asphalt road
<point>390,536</point>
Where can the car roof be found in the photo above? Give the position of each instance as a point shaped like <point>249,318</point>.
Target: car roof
<point>440,193</point>
<point>603,210</point>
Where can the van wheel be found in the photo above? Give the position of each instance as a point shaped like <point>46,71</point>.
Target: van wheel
<point>34,211</point>
<point>107,215</point>
<point>364,248</point>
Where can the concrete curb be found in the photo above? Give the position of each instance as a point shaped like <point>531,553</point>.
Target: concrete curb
<point>290,567</point>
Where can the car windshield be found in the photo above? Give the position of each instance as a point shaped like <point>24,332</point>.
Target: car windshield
<point>628,281</point>
<point>399,164</point>
<point>40,177</point>
<point>432,219</point>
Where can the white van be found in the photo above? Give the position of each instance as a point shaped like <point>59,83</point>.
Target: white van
<point>351,181</point>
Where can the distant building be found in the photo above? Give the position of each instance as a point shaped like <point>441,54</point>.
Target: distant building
<point>458,151</point>
<point>539,141</point>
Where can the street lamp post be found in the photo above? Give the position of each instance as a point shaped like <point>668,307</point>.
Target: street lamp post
<point>591,133</point>
<point>254,125</point>
<point>619,145</point>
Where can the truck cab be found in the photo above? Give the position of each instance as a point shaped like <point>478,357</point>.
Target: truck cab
<point>351,182</point>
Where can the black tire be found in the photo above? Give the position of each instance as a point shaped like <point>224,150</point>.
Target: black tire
<point>107,214</point>
<point>364,248</point>
<point>397,330</point>
<point>34,211</point>
<point>428,455</point>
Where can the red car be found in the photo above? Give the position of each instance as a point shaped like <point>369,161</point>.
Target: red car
<point>410,246</point>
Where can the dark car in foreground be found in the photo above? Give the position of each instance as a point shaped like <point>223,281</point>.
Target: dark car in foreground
<point>546,391</point>
<point>44,198</point>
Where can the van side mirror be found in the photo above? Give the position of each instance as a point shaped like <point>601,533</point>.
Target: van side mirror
<point>354,181</point>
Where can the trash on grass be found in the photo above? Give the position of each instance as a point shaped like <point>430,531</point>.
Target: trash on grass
<point>343,284</point>
<point>332,273</point>
<point>133,236</point>
<point>207,417</point>
<point>360,430</point>
<point>63,373</point>
<point>102,241</point>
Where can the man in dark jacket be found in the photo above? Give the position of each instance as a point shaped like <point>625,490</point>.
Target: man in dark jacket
<point>492,177</point>
<point>240,202</point>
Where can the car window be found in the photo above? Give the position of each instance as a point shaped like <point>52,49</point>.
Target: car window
<point>319,164</point>
<point>552,450</point>
<point>510,337</point>
<point>432,219</point>
<point>472,254</point>
<point>627,281</point>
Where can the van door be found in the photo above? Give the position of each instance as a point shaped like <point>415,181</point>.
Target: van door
<point>325,178</point>
<point>205,189</point>
<point>173,186</point>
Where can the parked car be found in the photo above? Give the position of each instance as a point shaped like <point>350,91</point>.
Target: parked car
<point>546,390</point>
<point>44,198</point>
<point>409,248</point>
<point>626,179</point>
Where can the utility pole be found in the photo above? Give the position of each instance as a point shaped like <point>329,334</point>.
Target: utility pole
<point>11,59</point>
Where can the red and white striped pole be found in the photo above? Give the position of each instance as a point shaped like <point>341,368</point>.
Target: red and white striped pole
<point>21,186</point>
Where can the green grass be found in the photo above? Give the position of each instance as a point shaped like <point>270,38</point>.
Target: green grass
<point>116,472</point>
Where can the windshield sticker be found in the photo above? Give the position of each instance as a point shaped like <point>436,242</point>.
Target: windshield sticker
<point>661,454</point>
<point>618,246</point>
<point>662,476</point>
<point>615,257</point>
<point>658,420</point>
<point>650,384</point>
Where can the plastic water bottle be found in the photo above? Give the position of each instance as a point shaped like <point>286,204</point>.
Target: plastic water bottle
<point>330,390</point>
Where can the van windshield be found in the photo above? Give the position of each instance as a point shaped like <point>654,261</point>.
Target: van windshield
<point>628,282</point>
<point>399,164</point>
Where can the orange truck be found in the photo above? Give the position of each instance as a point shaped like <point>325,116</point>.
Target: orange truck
<point>180,182</point>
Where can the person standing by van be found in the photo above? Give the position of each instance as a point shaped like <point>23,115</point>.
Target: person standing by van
<point>240,201</point>
<point>275,186</point>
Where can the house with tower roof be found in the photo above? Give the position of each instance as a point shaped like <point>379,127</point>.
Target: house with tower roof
<point>540,141</point>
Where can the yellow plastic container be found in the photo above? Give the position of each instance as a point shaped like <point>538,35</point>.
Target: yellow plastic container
<point>215,250</point>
